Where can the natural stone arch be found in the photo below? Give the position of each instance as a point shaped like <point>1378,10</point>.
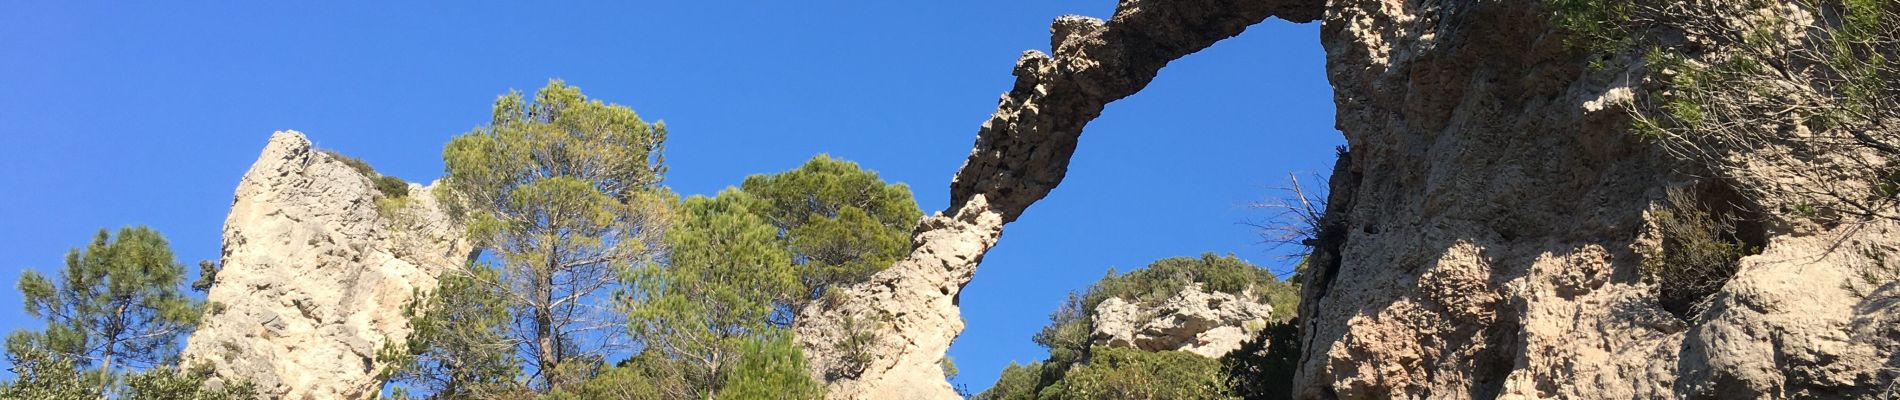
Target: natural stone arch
<point>909,311</point>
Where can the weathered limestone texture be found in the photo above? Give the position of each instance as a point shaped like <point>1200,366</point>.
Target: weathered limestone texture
<point>315,277</point>
<point>1021,153</point>
<point>1483,237</point>
<point>1210,324</point>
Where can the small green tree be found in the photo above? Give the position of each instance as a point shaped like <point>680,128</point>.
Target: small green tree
<point>563,194</point>
<point>772,367</point>
<point>42,374</point>
<point>716,293</point>
<point>842,223</point>
<point>459,347</point>
<point>118,304</point>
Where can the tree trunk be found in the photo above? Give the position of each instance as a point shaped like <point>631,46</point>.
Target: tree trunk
<point>112,341</point>
<point>544,333</point>
<point>547,348</point>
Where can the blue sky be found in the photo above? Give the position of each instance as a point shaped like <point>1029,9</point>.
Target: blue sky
<point>149,112</point>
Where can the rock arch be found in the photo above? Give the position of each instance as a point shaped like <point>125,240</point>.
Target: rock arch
<point>909,311</point>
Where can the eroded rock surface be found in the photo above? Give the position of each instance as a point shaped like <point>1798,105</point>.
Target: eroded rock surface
<point>1195,321</point>
<point>1484,236</point>
<point>315,277</point>
<point>909,311</point>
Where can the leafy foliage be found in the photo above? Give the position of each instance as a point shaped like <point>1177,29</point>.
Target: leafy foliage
<point>858,345</point>
<point>1166,277</point>
<point>1755,86</point>
<point>1699,252</point>
<point>563,194</point>
<point>42,374</point>
<point>391,187</point>
<point>117,307</point>
<point>1018,382</point>
<point>169,383</point>
<point>717,293</point>
<point>1263,367</point>
<point>1068,341</point>
<point>1067,335</point>
<point>1596,26</point>
<point>772,367</point>
<point>459,345</point>
<point>841,223</point>
<point>617,383</point>
<point>949,366</point>
<point>118,303</point>
<point>1122,373</point>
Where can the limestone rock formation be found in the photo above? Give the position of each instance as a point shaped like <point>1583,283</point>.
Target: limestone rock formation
<point>908,312</point>
<point>1484,236</point>
<point>315,277</point>
<point>1195,321</point>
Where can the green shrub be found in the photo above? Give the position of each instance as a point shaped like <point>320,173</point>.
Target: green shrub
<point>357,164</point>
<point>857,345</point>
<point>1700,251</point>
<point>1166,277</point>
<point>1122,373</point>
<point>772,367</point>
<point>1819,100</point>
<point>949,366</point>
<point>42,374</point>
<point>622,383</point>
<point>391,187</point>
<point>1067,335</point>
<point>168,383</point>
<point>1597,26</point>
<point>1262,368</point>
<point>1018,382</point>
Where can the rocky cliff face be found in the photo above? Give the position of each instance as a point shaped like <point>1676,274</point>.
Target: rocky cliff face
<point>1195,321</point>
<point>1484,238</point>
<point>1485,235</point>
<point>315,277</point>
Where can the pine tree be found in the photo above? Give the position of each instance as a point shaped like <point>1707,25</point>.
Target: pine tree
<point>727,266</point>
<point>842,223</point>
<point>563,194</point>
<point>459,346</point>
<point>117,305</point>
<point>773,367</point>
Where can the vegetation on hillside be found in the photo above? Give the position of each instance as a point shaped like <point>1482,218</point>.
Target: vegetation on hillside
<point>595,281</point>
<point>1075,369</point>
<point>587,256</point>
<point>391,187</point>
<point>1699,251</point>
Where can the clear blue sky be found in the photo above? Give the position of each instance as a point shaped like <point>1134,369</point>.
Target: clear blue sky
<point>149,112</point>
